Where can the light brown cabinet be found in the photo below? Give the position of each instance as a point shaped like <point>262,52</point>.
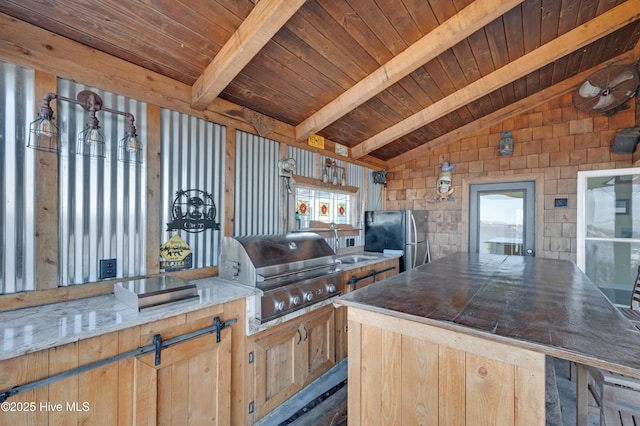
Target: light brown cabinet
<point>197,377</point>
<point>351,281</point>
<point>288,357</point>
<point>367,275</point>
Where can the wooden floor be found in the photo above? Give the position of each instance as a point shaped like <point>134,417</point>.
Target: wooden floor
<point>330,412</point>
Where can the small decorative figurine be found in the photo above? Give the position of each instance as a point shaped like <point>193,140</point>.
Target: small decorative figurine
<point>445,189</point>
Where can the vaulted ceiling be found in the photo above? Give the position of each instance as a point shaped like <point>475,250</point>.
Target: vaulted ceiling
<point>390,79</point>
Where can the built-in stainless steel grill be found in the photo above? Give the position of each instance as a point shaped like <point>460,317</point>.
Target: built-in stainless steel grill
<point>292,270</point>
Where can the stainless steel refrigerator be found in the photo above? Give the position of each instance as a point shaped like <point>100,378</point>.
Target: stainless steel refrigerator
<point>404,230</point>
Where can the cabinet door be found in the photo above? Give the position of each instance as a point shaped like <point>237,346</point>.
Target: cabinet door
<point>191,386</point>
<point>318,341</point>
<point>362,277</point>
<point>289,357</point>
<point>355,278</point>
<point>393,267</point>
<point>279,363</point>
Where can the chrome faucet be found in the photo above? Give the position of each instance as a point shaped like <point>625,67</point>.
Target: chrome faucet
<point>336,240</point>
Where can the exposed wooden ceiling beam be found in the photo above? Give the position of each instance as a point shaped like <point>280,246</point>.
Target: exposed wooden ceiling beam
<point>264,21</point>
<point>598,27</point>
<point>457,28</point>
<point>62,57</point>
<point>502,114</point>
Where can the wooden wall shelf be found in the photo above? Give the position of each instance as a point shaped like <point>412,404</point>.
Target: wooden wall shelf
<point>343,232</point>
<point>317,183</point>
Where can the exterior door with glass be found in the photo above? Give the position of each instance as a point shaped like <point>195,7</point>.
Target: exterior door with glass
<point>502,218</point>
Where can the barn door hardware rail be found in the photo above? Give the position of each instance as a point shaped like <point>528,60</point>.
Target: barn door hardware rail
<point>156,346</point>
<point>353,281</point>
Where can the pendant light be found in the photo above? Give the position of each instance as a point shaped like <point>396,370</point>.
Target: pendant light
<point>43,133</point>
<point>129,148</point>
<point>91,139</point>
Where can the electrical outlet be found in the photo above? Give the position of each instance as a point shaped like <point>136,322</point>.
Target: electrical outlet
<point>107,268</point>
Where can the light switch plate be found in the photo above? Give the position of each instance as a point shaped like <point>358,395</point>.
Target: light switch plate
<point>560,202</point>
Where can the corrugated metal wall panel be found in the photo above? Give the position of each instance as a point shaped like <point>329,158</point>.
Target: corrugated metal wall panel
<point>102,201</point>
<point>17,192</point>
<point>356,177</point>
<point>192,159</point>
<point>257,186</point>
<point>305,161</point>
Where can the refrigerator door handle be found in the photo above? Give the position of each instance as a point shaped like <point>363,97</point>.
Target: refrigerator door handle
<point>414,240</point>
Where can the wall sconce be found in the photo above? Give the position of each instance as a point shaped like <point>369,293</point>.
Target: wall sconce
<point>333,173</point>
<point>43,133</point>
<point>506,143</point>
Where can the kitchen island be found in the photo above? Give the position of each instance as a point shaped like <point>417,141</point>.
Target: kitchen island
<point>463,340</point>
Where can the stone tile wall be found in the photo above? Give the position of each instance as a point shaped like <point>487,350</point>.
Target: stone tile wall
<point>554,139</point>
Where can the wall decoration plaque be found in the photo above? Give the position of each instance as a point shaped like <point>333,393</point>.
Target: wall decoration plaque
<point>176,255</point>
<point>193,211</point>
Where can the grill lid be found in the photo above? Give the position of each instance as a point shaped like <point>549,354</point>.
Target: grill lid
<point>288,248</point>
<point>257,258</point>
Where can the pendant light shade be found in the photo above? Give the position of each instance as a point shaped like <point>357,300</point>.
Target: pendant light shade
<point>129,148</point>
<point>91,140</point>
<point>43,132</point>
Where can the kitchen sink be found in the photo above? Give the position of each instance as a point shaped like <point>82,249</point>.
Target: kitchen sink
<point>356,258</point>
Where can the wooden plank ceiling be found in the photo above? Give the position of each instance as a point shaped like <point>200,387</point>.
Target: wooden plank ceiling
<point>391,79</point>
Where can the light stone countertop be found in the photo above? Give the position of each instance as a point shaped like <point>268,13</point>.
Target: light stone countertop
<point>368,258</point>
<point>42,327</point>
<point>36,328</point>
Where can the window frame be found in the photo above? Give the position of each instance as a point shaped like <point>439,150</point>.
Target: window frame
<point>581,214</point>
<point>528,188</point>
<point>317,185</point>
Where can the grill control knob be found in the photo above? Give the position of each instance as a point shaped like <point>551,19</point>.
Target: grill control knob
<point>331,288</point>
<point>279,304</point>
<point>308,296</point>
<point>294,299</point>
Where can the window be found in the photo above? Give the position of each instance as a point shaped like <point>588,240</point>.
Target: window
<point>608,230</point>
<point>319,202</point>
<point>323,206</point>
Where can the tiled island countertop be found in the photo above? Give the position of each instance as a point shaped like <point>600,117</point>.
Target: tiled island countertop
<point>545,305</point>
